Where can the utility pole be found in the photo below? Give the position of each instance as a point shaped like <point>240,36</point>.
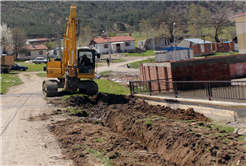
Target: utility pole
<point>174,39</point>
<point>58,38</point>
<point>109,52</point>
<point>153,40</point>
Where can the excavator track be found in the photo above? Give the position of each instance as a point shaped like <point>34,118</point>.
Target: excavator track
<point>50,88</point>
<point>88,87</point>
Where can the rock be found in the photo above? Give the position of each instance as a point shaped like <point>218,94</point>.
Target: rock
<point>241,132</point>
<point>235,131</point>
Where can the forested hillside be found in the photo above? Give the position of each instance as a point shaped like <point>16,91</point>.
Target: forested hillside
<point>38,19</point>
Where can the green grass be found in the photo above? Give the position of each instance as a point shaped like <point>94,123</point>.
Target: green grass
<point>159,117</point>
<point>215,54</point>
<point>77,112</point>
<point>99,140</point>
<point>8,80</point>
<point>117,60</point>
<point>108,86</point>
<point>33,66</point>
<point>106,73</point>
<point>135,65</point>
<point>41,74</point>
<point>147,53</point>
<point>227,129</point>
<point>148,122</point>
<point>100,156</point>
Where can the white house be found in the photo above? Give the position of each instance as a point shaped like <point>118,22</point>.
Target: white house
<point>118,44</point>
<point>33,51</point>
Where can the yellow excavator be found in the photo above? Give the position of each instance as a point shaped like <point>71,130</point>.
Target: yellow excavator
<point>76,64</point>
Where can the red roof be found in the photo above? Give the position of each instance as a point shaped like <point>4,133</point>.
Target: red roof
<point>36,47</point>
<point>114,39</point>
<point>240,15</point>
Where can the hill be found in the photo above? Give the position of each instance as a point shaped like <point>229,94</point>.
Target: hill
<point>39,18</point>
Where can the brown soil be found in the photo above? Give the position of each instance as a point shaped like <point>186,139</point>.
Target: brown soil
<point>123,130</point>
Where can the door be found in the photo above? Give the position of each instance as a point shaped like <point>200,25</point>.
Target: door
<point>202,48</point>
<point>118,48</point>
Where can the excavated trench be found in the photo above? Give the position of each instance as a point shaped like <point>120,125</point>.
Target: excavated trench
<point>123,130</point>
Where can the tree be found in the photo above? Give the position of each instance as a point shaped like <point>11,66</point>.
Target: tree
<point>49,45</point>
<point>19,37</point>
<point>121,26</point>
<point>231,32</point>
<point>166,20</point>
<point>145,27</point>
<point>197,17</point>
<point>85,36</point>
<point>218,22</point>
<point>6,39</point>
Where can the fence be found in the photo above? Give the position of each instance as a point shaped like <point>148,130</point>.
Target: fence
<point>209,89</point>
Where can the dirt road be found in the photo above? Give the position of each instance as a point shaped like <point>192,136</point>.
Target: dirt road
<point>25,142</point>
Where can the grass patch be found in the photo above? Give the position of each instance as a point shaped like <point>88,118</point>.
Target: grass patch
<point>33,66</point>
<point>135,65</point>
<point>78,146</point>
<point>215,54</point>
<point>148,122</point>
<point>41,74</point>
<point>27,75</point>
<point>159,117</point>
<point>99,140</point>
<point>227,129</point>
<point>117,60</point>
<point>108,86</point>
<point>9,80</point>
<point>100,156</point>
<point>80,113</point>
<point>147,53</point>
<point>242,138</point>
<point>106,73</point>
<point>226,140</point>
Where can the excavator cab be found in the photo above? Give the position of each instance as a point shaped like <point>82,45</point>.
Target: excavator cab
<point>86,61</point>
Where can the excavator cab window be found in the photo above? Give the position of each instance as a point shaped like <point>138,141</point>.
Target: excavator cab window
<point>86,61</point>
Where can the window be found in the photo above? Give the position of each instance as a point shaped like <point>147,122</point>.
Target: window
<point>105,45</point>
<point>28,53</point>
<point>208,47</point>
<point>127,44</point>
<point>96,47</point>
<point>142,43</point>
<point>40,52</point>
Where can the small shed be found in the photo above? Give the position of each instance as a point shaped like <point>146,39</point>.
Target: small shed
<point>200,47</point>
<point>168,54</point>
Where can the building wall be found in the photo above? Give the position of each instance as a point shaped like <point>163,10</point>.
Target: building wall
<point>34,55</point>
<point>238,70</point>
<point>100,48</point>
<point>225,47</point>
<point>196,47</point>
<point>203,72</point>
<point>241,34</point>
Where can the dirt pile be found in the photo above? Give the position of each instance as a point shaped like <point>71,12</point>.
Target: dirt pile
<point>123,130</point>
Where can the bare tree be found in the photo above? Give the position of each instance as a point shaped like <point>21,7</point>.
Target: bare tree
<point>166,20</point>
<point>218,22</point>
<point>19,37</point>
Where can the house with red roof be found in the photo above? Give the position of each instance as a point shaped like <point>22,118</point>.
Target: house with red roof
<point>31,52</point>
<point>37,41</point>
<point>118,44</point>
